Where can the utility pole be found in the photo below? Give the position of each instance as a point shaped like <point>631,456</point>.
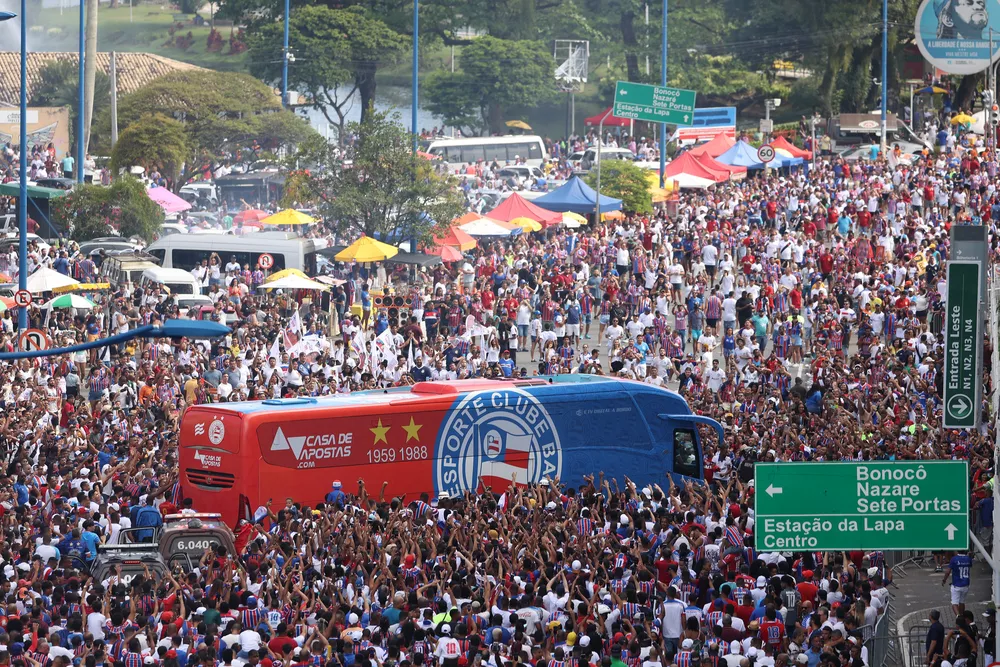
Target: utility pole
<point>90,72</point>
<point>113,75</point>
<point>885,67</point>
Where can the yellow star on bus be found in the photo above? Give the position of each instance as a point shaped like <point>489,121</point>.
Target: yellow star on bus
<point>412,430</point>
<point>380,432</point>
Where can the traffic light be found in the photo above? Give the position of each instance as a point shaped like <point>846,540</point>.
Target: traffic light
<point>994,114</point>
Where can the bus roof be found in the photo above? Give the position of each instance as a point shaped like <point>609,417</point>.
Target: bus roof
<point>575,385</point>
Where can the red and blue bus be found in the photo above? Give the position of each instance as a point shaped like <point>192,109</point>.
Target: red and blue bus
<point>437,437</point>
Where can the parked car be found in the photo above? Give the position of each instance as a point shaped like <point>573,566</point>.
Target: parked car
<point>56,183</point>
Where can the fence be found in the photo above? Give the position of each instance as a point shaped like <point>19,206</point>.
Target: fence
<point>880,642</point>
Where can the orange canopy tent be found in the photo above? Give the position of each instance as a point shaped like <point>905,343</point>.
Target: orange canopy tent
<point>517,206</point>
<point>785,144</point>
<point>714,148</point>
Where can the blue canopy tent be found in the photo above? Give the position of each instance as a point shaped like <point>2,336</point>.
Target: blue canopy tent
<point>576,196</point>
<point>742,154</point>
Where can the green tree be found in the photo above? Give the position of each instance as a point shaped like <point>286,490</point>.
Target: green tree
<point>224,114</point>
<point>155,142</point>
<point>92,210</point>
<point>624,180</point>
<point>495,74</point>
<point>337,53</point>
<point>59,86</point>
<point>386,191</point>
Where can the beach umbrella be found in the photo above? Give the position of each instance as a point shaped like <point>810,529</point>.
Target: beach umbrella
<point>295,282</point>
<point>447,253</point>
<point>455,236</point>
<point>519,124</point>
<point>487,227</point>
<point>284,273</point>
<point>527,224</point>
<point>69,301</point>
<point>46,280</point>
<point>366,249</point>
<point>250,216</point>
<point>288,216</point>
<point>962,118</point>
<point>931,90</point>
<point>613,215</point>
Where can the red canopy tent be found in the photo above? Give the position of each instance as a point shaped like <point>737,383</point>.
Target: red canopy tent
<point>732,171</point>
<point>687,164</point>
<point>785,144</point>
<point>719,144</point>
<point>517,206</point>
<point>610,121</point>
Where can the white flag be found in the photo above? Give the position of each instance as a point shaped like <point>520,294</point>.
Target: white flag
<point>275,351</point>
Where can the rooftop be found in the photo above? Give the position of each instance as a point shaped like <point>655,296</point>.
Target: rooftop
<point>135,70</point>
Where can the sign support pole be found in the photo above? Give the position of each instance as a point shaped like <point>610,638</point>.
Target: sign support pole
<point>597,191</point>
<point>663,82</point>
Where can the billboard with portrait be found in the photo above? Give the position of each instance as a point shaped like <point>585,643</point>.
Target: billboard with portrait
<point>954,35</point>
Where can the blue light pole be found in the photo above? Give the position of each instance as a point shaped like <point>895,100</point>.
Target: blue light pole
<point>22,199</point>
<point>414,84</point>
<point>284,60</point>
<point>885,66</point>
<point>80,101</point>
<point>663,82</point>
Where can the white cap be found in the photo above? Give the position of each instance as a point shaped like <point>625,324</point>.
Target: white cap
<point>603,609</point>
<point>872,571</point>
<point>802,659</point>
<point>761,581</point>
<point>585,641</point>
<point>352,618</point>
<point>200,611</point>
<point>551,505</point>
<point>687,643</point>
<point>623,518</point>
<point>734,647</point>
<point>577,565</point>
<point>445,629</point>
<point>752,652</point>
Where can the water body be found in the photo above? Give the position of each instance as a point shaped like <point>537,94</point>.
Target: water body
<point>395,99</point>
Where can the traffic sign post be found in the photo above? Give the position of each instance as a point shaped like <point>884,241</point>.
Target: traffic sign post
<point>842,506</point>
<point>656,104</point>
<point>22,298</point>
<point>265,261</point>
<point>963,345</point>
<point>765,153</point>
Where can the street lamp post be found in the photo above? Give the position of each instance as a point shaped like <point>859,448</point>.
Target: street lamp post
<point>885,67</point>
<point>80,100</point>
<point>284,60</point>
<point>600,141</point>
<point>415,82</point>
<point>22,199</point>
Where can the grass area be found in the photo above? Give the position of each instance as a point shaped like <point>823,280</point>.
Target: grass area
<point>143,28</point>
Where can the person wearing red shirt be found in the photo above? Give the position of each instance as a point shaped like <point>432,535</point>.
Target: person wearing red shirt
<point>807,589</point>
<point>772,631</point>
<point>826,264</point>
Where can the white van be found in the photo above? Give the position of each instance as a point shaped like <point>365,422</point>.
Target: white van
<point>288,251</point>
<point>460,152</point>
<point>177,281</point>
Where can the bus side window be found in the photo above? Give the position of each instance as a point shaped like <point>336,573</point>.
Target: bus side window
<point>685,452</point>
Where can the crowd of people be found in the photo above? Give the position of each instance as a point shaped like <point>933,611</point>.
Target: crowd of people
<point>802,310</point>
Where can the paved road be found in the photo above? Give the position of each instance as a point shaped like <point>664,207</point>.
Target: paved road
<point>920,591</point>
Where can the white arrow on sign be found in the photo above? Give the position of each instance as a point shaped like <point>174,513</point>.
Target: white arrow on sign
<point>950,529</point>
<point>686,118</point>
<point>772,489</point>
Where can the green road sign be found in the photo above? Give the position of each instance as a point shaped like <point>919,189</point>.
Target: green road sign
<point>841,506</point>
<point>963,345</point>
<point>654,103</point>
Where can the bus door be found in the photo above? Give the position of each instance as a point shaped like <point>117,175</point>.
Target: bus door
<point>684,448</point>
